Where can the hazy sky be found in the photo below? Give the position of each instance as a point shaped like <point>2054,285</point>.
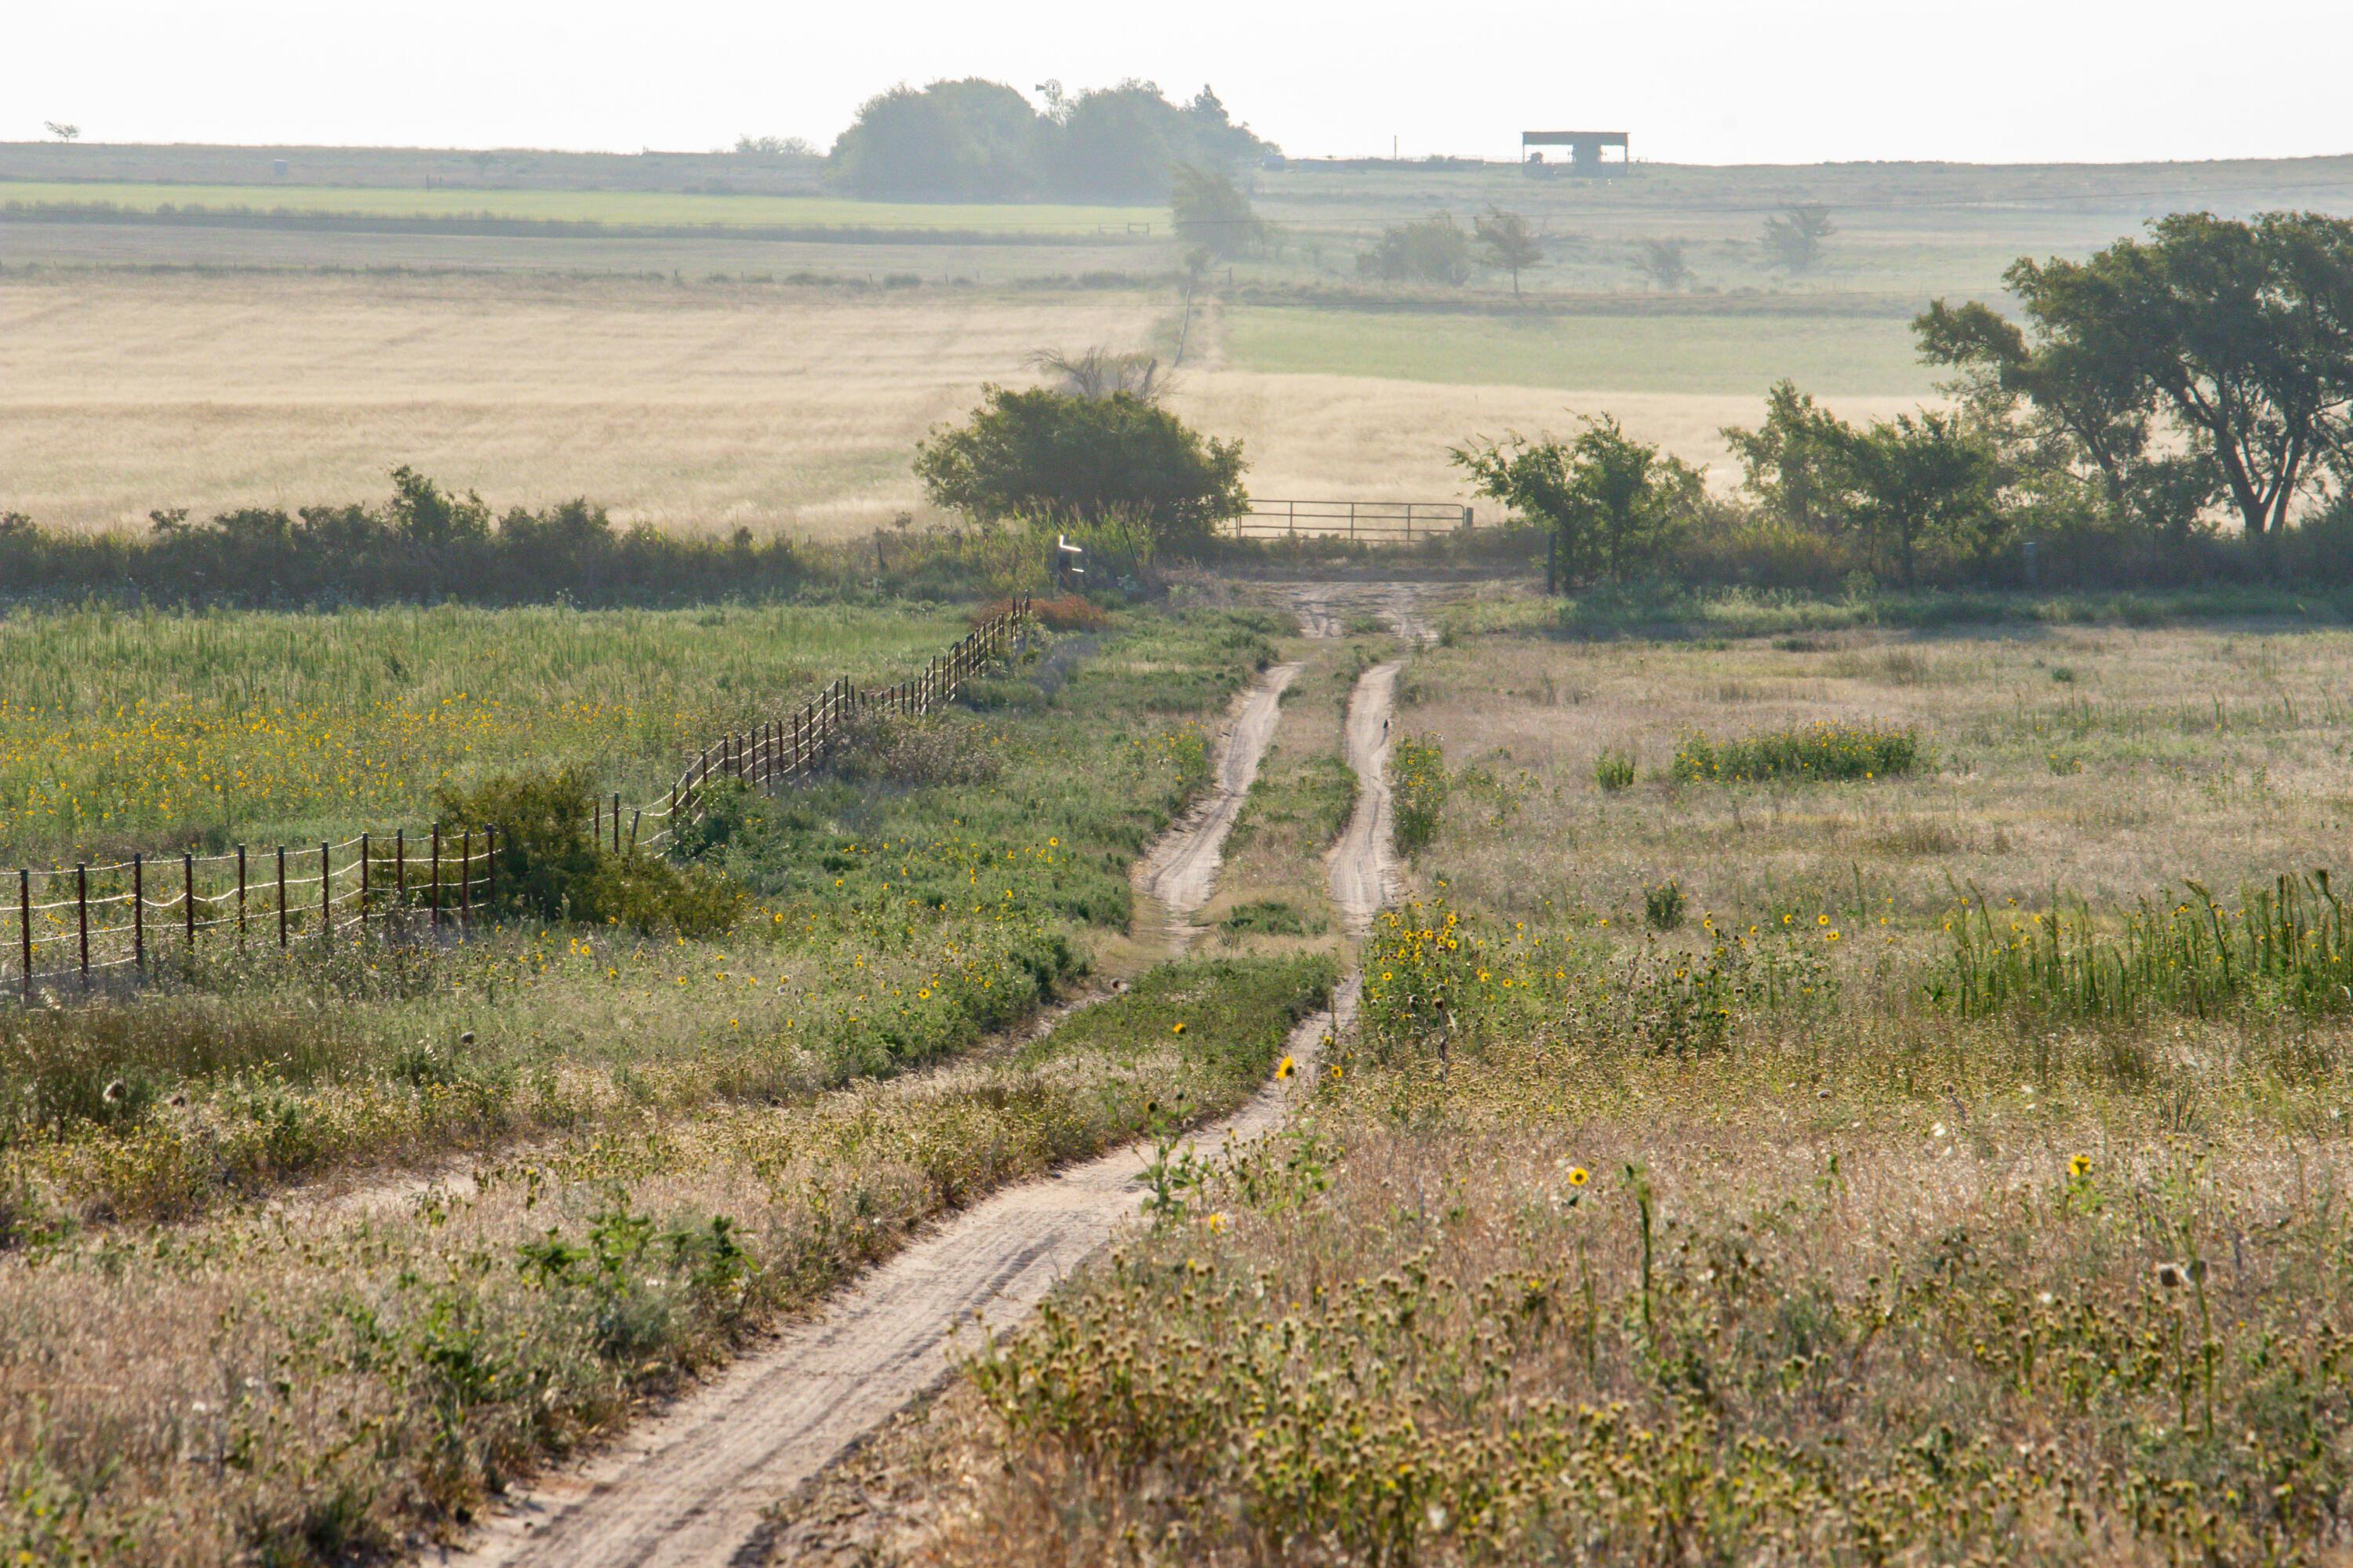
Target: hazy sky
<point>1697,81</point>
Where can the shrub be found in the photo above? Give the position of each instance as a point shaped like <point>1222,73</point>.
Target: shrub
<point>1614,506</point>
<point>550,867</point>
<point>1662,906</point>
<point>909,752</point>
<point>1268,917</point>
<point>1432,250</point>
<point>1417,784</point>
<point>1821,750</point>
<point>1613,770</point>
<point>1067,459</point>
<point>1067,613</point>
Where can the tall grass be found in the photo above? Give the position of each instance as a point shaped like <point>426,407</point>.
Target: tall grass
<point>1818,751</point>
<point>143,729</point>
<point>2288,945</point>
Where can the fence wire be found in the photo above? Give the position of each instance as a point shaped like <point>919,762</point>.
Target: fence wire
<point>74,923</point>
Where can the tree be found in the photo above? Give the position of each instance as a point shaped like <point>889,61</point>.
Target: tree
<point>775,147</point>
<point>1433,250</point>
<point>1060,459</point>
<point>1794,239</point>
<point>1509,243</point>
<point>1662,262</point>
<point>1098,373</point>
<point>983,141</point>
<point>1211,211</point>
<point>2088,413</point>
<point>62,131</point>
<point>1790,463</point>
<point>1613,503</point>
<point>976,140</point>
<point>2240,333</point>
<point>1912,481</point>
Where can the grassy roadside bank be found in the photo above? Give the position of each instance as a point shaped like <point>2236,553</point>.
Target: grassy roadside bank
<point>303,1388</point>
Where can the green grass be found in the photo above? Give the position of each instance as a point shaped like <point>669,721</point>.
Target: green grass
<point>126,730</point>
<point>1819,752</point>
<point>617,208</point>
<point>886,922</point>
<point>2288,945</point>
<point>1731,354</point>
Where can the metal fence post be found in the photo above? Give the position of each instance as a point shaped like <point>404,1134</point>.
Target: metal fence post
<point>188,898</point>
<point>617,822</point>
<point>240,898</point>
<point>363,881</point>
<point>81,909</point>
<point>490,860</point>
<point>466,880</point>
<point>281,895</point>
<point>25,920</point>
<point>437,877</point>
<point>138,911</point>
<point>326,894</point>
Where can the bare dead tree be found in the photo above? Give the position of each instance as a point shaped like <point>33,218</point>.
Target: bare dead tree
<point>1098,373</point>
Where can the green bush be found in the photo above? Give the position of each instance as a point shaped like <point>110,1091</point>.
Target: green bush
<point>549,866</point>
<point>1613,770</point>
<point>1821,750</point>
<point>1419,785</point>
<point>1662,906</point>
<point>1067,459</point>
<point>1268,917</point>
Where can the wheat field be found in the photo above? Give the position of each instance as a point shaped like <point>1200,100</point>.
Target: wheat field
<point>696,406</point>
<point>689,406</point>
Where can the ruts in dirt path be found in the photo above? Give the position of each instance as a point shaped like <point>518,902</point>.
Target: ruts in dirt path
<point>1180,870</point>
<point>691,1485</point>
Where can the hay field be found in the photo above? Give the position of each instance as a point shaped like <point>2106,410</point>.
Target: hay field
<point>693,406</point>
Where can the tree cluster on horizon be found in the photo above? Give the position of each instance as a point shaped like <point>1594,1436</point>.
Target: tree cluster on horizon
<point>973,139</point>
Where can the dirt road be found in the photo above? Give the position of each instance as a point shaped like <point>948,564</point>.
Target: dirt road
<point>691,1486</point>
<point>1180,871</point>
<point>1360,865</point>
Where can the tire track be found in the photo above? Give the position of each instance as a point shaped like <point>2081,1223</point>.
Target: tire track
<point>693,1485</point>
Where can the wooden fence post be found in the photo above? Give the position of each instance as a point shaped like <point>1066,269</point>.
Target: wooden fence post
<point>81,905</point>
<point>281,895</point>
<point>138,911</point>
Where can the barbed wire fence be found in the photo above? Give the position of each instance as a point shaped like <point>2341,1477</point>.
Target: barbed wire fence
<point>90,925</point>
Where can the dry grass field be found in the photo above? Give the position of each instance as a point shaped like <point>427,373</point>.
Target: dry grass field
<point>707,406</point>
<point>1653,1230</point>
<point>699,406</point>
